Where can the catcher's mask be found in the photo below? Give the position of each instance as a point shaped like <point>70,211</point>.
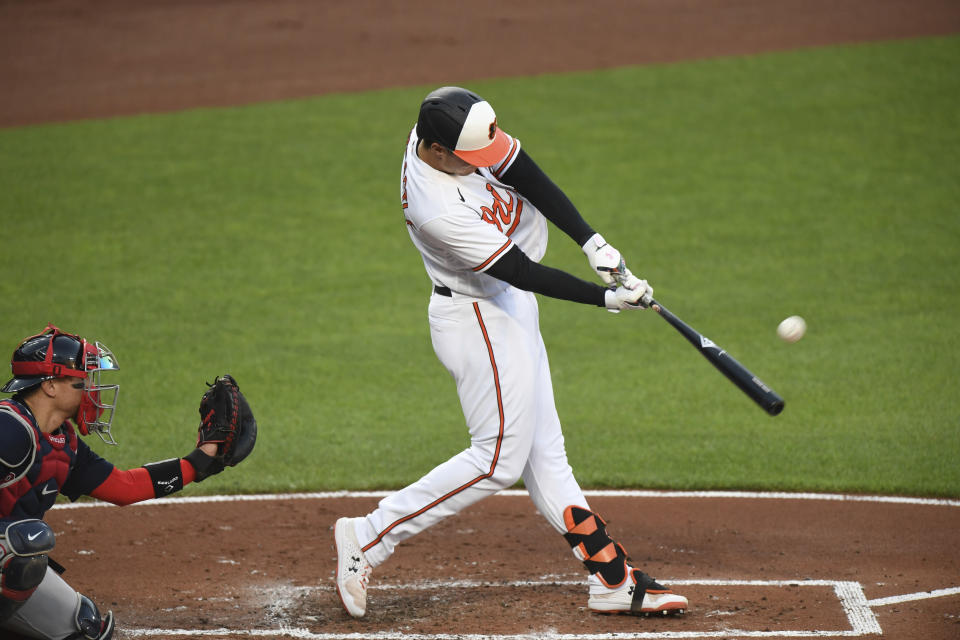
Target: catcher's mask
<point>56,354</point>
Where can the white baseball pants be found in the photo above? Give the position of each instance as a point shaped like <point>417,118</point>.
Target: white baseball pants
<point>494,350</point>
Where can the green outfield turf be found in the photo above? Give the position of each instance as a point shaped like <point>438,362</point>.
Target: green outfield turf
<point>267,241</point>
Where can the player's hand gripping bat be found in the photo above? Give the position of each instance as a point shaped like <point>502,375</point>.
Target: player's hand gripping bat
<point>738,374</point>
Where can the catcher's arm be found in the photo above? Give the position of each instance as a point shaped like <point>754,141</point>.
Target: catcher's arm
<point>204,464</point>
<point>227,431</point>
<point>157,479</point>
<point>226,436</point>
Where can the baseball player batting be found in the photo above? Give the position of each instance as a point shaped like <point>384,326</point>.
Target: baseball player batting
<point>59,389</point>
<point>476,207</point>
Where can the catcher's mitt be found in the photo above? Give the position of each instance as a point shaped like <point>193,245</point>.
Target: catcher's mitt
<point>227,421</point>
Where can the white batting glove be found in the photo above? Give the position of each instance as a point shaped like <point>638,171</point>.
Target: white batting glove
<point>633,293</point>
<point>605,260</point>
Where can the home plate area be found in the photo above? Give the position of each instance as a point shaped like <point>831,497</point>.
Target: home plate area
<point>734,606</point>
<point>752,565</point>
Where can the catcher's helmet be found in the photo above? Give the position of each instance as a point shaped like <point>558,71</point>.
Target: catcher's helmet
<point>464,123</point>
<point>55,354</point>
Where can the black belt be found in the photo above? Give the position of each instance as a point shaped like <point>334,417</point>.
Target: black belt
<point>443,291</point>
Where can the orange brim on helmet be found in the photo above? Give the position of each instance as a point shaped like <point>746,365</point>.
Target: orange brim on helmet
<point>464,123</point>
<point>491,154</point>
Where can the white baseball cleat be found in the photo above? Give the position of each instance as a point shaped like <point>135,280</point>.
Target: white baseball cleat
<point>638,595</point>
<point>353,570</point>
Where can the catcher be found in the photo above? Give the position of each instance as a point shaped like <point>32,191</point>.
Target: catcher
<point>58,392</point>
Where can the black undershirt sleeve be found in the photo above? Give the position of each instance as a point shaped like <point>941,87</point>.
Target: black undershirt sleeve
<point>515,268</point>
<point>534,185</point>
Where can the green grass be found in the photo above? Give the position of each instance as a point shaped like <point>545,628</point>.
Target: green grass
<point>267,241</point>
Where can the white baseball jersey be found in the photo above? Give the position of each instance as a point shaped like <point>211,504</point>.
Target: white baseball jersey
<point>487,335</point>
<point>462,224</point>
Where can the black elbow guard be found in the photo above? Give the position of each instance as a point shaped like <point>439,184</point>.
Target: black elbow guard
<point>166,476</point>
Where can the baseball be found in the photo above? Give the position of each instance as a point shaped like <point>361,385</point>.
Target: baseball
<point>792,328</point>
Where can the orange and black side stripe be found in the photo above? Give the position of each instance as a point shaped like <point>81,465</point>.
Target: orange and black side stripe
<point>507,160</point>
<point>496,453</point>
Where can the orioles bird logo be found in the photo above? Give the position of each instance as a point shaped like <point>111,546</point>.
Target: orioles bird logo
<point>505,212</point>
<point>493,129</point>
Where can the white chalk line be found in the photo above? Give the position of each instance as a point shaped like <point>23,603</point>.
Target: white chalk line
<point>547,581</point>
<point>390,635</point>
<point>850,594</point>
<point>615,493</point>
<point>910,597</point>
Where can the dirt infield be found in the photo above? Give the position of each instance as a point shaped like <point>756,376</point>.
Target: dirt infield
<point>752,566</point>
<point>69,59</point>
<point>768,566</point>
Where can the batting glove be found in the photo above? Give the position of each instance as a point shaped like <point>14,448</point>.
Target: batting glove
<point>633,293</point>
<point>605,260</point>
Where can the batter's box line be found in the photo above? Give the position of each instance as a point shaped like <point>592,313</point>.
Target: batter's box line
<point>606,493</point>
<point>850,594</point>
<point>910,597</point>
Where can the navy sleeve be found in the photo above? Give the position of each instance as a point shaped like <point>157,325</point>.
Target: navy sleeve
<point>534,185</point>
<point>88,473</point>
<point>520,271</point>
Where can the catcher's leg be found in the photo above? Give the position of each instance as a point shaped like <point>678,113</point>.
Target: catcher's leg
<point>56,612</point>
<point>23,562</point>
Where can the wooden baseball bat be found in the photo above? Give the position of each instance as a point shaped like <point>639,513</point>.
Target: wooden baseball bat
<point>738,374</point>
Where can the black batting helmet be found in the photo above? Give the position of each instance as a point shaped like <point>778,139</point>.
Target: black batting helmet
<point>464,123</point>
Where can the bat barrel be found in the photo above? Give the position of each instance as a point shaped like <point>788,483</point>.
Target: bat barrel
<point>765,397</point>
<point>768,399</point>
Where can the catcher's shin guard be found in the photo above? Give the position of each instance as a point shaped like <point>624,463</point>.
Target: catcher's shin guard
<point>90,624</point>
<point>587,535</point>
<point>23,562</point>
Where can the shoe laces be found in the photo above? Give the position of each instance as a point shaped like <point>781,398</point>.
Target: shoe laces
<point>360,568</point>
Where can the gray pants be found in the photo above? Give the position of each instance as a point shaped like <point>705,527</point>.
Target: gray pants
<point>50,613</point>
